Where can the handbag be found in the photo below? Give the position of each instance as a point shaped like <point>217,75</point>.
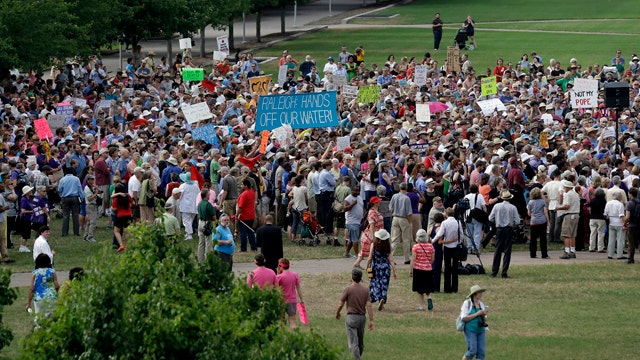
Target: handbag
<point>302,312</point>
<point>208,229</point>
<point>459,322</point>
<point>370,272</point>
<point>478,214</point>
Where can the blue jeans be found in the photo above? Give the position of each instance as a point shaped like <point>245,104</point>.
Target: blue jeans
<point>475,230</point>
<point>247,233</point>
<point>297,221</point>
<point>354,232</point>
<point>476,344</point>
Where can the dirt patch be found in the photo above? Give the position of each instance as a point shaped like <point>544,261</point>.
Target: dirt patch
<point>337,19</point>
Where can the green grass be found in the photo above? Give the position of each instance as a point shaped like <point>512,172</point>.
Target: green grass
<point>380,42</point>
<point>456,11</point>
<point>545,312</point>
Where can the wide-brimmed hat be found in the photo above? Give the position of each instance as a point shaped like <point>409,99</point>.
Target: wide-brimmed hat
<point>567,183</point>
<point>476,289</point>
<point>186,178</point>
<point>382,234</point>
<point>26,189</point>
<point>173,161</point>
<point>506,196</point>
<point>374,200</point>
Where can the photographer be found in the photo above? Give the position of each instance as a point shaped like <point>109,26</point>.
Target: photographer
<point>474,314</point>
<point>94,201</point>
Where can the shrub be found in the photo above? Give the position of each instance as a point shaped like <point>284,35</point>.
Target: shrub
<point>155,302</point>
<point>7,297</point>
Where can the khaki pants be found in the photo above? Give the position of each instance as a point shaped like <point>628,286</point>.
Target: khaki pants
<point>146,214</point>
<point>92,221</point>
<point>416,224</point>
<point>401,233</point>
<point>229,208</point>
<point>205,244</point>
<point>3,241</point>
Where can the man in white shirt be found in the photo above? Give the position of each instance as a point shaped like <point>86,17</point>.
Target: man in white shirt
<point>449,235</point>
<point>552,190</point>
<point>354,211</point>
<point>41,245</point>
<point>474,227</point>
<point>615,212</point>
<point>571,209</point>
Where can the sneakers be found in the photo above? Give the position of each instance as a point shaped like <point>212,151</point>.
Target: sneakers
<point>381,305</point>
<point>347,255</point>
<point>24,249</point>
<point>565,255</point>
<point>91,240</point>
<point>429,304</point>
<point>122,248</point>
<point>188,237</point>
<point>572,255</point>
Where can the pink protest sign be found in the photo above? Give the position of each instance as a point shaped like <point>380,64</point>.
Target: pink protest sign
<point>42,128</point>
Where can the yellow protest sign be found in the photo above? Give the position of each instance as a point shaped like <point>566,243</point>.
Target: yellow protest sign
<point>260,84</point>
<point>489,86</point>
<point>544,141</point>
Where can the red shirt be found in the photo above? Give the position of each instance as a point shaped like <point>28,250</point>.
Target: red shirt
<point>247,205</point>
<point>122,211</point>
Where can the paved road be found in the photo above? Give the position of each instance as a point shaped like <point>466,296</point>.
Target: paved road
<point>319,266</point>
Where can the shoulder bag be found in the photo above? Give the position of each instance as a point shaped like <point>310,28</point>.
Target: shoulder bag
<point>478,214</point>
<point>461,249</point>
<point>459,322</point>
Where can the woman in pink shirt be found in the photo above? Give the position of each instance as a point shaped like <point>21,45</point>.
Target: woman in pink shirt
<point>289,282</point>
<point>261,276</point>
<point>422,256</point>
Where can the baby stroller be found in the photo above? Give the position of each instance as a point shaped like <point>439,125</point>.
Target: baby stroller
<point>520,233</point>
<point>461,39</point>
<point>311,229</point>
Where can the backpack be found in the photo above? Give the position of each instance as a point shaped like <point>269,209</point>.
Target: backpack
<point>22,181</point>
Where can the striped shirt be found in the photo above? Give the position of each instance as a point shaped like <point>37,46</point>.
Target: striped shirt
<point>424,255</point>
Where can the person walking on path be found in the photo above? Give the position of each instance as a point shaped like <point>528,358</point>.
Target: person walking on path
<point>358,302</point>
<point>381,262</point>
<point>539,214</point>
<point>400,207</point>
<point>505,216</point>
<point>269,237</point>
<point>449,235</point>
<point>421,269</point>
<point>436,26</point>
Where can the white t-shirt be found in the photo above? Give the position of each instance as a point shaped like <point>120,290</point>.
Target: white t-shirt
<point>354,216</point>
<point>299,201</point>
<point>473,203</point>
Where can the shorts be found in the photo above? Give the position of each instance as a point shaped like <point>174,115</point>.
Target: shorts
<point>313,205</point>
<point>570,226</point>
<point>292,308</point>
<point>340,220</point>
<point>122,222</point>
<point>83,209</point>
<point>354,232</point>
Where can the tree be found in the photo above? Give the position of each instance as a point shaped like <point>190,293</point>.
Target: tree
<point>155,302</point>
<point>257,6</point>
<point>7,297</point>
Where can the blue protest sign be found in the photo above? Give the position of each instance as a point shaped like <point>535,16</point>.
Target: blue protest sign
<point>65,109</point>
<point>300,111</point>
<point>206,133</point>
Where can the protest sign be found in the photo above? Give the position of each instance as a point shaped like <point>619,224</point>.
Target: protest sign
<point>284,135</point>
<point>223,43</point>
<point>609,132</point>
<point>453,59</point>
<point>206,133</point>
<point>104,104</point>
<point>421,147</point>
<point>185,43</point>
<point>129,92</point>
<point>420,75</point>
<point>310,110</point>
<point>189,74</point>
<point>260,84</point>
<point>370,93</point>
<point>343,142</point>
<point>584,93</point>
<point>489,86</point>
<point>338,80</point>
<point>196,112</point>
<point>80,102</point>
<point>423,113</point>
<point>219,55</point>
<point>65,109</point>
<point>42,128</point>
<point>56,121</point>
<point>264,141</point>
<point>225,130</point>
<point>349,91</point>
<point>489,106</point>
<point>282,74</point>
<point>544,139</point>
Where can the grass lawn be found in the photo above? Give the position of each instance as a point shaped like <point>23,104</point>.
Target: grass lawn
<point>456,11</point>
<point>573,311</point>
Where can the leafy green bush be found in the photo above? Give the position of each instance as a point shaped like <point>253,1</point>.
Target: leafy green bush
<point>7,297</point>
<point>155,302</point>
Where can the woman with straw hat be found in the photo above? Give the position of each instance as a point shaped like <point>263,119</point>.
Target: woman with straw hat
<point>474,313</point>
<point>381,262</point>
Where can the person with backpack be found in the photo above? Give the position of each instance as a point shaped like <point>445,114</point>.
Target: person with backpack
<point>632,221</point>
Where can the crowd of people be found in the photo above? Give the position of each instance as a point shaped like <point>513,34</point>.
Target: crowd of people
<point>569,174</point>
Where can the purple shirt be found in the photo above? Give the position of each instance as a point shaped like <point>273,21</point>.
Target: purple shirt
<point>415,200</point>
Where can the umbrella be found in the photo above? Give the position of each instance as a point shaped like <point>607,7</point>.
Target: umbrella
<point>437,107</point>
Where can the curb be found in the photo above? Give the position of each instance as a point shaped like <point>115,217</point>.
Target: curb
<point>346,20</point>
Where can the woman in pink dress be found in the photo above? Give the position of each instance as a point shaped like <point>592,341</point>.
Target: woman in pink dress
<point>376,222</point>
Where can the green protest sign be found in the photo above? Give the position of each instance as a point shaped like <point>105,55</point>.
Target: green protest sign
<point>192,74</point>
<point>367,94</point>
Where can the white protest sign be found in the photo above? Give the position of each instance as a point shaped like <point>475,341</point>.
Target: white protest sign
<point>282,74</point>
<point>423,113</point>
<point>196,112</point>
<point>225,130</point>
<point>104,104</point>
<point>55,121</point>
<point>609,132</point>
<point>584,93</point>
<point>343,142</point>
<point>219,55</point>
<point>223,43</point>
<point>185,43</point>
<point>195,90</point>
<point>318,89</point>
<point>420,75</point>
<point>80,102</point>
<point>284,135</point>
<point>338,80</point>
<point>349,91</point>
<point>129,91</point>
<point>489,106</point>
